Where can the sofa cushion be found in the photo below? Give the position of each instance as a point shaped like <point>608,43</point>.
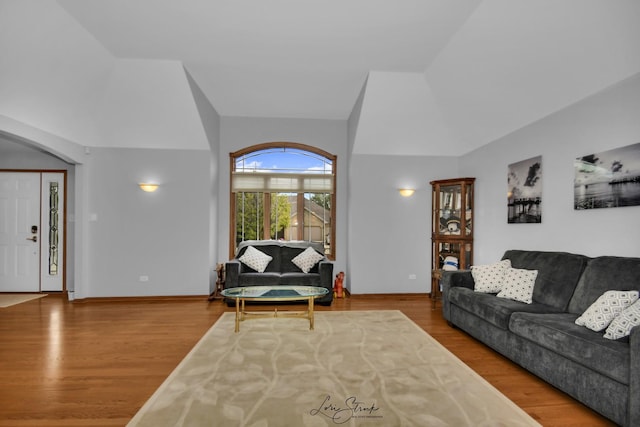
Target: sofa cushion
<point>518,284</point>
<point>606,273</point>
<point>307,259</point>
<point>489,278</point>
<point>610,304</point>
<point>255,259</point>
<point>496,311</point>
<point>621,326</point>
<point>558,274</point>
<point>558,333</point>
<point>300,279</point>
<point>259,279</point>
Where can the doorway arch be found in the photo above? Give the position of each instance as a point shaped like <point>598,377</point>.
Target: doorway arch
<point>19,133</point>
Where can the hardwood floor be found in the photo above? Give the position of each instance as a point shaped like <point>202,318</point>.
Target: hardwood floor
<point>96,363</point>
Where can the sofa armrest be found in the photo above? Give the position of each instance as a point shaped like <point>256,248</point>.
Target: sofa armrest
<point>450,279</point>
<point>232,274</point>
<point>325,268</point>
<point>634,380</point>
<point>461,278</point>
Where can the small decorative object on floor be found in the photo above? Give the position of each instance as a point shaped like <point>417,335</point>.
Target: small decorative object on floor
<point>216,294</point>
<point>338,287</point>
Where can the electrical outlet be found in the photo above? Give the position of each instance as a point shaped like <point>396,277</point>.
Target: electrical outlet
<point>412,277</point>
<point>144,278</point>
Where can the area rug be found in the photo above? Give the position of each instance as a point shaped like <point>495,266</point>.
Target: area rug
<point>356,368</point>
<point>7,300</point>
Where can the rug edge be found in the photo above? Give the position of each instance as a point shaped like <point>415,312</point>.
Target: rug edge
<point>31,297</point>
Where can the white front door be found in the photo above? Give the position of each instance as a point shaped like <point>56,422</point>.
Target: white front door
<point>19,232</point>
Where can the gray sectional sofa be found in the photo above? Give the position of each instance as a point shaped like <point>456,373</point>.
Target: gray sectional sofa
<point>280,270</point>
<point>542,336</point>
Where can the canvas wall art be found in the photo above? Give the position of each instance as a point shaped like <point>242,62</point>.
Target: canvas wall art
<point>609,179</point>
<point>524,191</point>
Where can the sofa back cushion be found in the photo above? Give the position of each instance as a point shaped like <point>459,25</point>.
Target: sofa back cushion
<point>605,273</point>
<point>282,252</point>
<point>558,274</point>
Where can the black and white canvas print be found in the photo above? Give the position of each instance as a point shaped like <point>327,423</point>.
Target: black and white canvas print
<point>609,179</point>
<point>524,193</point>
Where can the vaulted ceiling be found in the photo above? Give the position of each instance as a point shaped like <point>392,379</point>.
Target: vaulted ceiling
<point>421,77</point>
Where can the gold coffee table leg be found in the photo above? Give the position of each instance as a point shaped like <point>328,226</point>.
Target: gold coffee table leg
<point>311,313</point>
<point>237,315</point>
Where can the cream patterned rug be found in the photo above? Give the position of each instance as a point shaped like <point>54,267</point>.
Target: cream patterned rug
<point>7,300</point>
<point>357,368</point>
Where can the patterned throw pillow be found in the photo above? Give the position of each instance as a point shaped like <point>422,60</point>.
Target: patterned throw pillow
<point>518,285</point>
<point>610,304</point>
<point>307,259</point>
<point>622,324</point>
<point>255,259</point>
<point>488,278</point>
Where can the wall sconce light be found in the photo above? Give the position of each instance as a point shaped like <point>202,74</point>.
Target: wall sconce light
<point>148,187</point>
<point>406,192</point>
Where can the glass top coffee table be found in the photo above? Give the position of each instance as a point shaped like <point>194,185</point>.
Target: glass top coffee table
<point>277,293</point>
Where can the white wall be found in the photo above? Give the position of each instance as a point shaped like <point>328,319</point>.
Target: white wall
<point>352,132</point>
<point>389,235</point>
<point>514,62</point>
<point>211,124</point>
<point>400,107</point>
<point>16,155</point>
<point>602,122</point>
<point>53,72</point>
<point>329,135</point>
<point>62,91</point>
<point>150,104</point>
<point>162,235</point>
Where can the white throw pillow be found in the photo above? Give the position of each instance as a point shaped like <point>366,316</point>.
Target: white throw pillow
<point>489,278</point>
<point>598,316</point>
<point>622,324</point>
<point>255,259</point>
<point>518,285</point>
<point>307,259</point>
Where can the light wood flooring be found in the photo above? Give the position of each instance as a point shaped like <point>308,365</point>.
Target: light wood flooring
<point>95,363</point>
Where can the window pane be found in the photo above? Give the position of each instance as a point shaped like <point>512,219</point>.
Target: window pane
<point>280,215</point>
<point>317,218</point>
<point>283,193</point>
<point>249,216</point>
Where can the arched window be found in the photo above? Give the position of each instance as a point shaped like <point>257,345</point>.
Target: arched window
<point>283,191</point>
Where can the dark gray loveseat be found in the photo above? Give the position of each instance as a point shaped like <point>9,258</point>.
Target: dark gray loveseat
<point>280,271</point>
<point>543,338</point>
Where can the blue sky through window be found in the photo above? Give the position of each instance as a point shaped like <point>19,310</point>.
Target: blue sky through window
<point>289,160</point>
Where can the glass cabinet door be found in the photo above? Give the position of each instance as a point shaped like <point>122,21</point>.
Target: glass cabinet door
<point>452,228</point>
<point>468,209</point>
<point>453,209</point>
<point>449,213</point>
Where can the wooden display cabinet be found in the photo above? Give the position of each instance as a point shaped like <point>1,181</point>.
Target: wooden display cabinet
<point>451,227</point>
